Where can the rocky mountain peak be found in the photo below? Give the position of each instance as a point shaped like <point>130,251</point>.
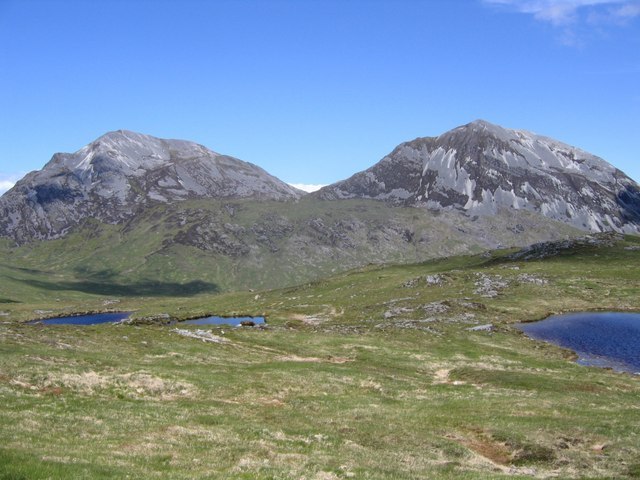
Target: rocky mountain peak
<point>121,172</point>
<point>482,169</point>
<point>483,127</point>
<point>128,152</point>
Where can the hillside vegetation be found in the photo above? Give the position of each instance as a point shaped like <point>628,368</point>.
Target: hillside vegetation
<point>374,373</point>
<point>209,246</point>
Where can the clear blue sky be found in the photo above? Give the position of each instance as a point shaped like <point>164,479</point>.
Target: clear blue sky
<point>315,90</point>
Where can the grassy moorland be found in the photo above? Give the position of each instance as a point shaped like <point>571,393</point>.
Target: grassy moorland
<point>371,374</point>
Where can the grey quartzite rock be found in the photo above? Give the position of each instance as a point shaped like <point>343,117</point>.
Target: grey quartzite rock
<point>483,169</point>
<point>114,177</point>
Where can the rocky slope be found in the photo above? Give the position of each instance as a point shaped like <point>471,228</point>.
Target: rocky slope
<point>220,245</point>
<point>120,173</point>
<point>481,168</point>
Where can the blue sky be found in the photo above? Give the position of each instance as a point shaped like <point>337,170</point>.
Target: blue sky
<point>315,90</point>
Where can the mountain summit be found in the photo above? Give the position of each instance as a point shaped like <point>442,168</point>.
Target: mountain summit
<point>113,177</point>
<point>482,168</point>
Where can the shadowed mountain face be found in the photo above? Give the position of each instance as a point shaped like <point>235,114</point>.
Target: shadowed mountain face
<point>114,177</point>
<point>482,168</point>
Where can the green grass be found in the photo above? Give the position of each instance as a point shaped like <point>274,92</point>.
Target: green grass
<point>368,374</point>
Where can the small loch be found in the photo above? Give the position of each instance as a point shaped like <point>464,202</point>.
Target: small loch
<point>93,319</point>
<point>233,321</point>
<point>601,339</point>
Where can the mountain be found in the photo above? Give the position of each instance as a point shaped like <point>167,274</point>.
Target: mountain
<point>131,213</point>
<point>113,178</point>
<point>481,169</point>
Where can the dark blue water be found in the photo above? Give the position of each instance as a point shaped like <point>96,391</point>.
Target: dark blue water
<point>234,321</point>
<point>606,339</point>
<point>86,319</point>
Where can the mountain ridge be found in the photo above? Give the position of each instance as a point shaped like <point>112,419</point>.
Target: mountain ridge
<point>131,209</point>
<point>478,169</point>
